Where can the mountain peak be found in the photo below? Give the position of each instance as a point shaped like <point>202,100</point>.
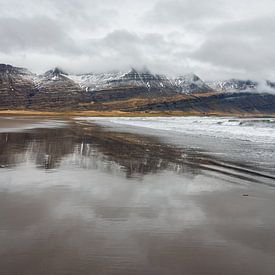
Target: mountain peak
<point>9,69</point>
<point>143,70</point>
<point>270,84</point>
<point>191,83</point>
<point>6,68</point>
<point>189,77</point>
<point>56,72</point>
<point>234,85</point>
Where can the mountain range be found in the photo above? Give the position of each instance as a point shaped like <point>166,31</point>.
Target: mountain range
<point>132,91</point>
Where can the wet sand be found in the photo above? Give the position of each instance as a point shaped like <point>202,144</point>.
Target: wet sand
<point>16,124</point>
<point>84,199</point>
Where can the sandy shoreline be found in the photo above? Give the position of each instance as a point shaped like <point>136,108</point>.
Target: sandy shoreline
<point>86,199</point>
<point>121,113</point>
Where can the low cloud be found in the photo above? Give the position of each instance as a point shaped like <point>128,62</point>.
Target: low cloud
<point>247,45</point>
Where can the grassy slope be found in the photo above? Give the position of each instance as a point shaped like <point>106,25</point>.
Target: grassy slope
<point>120,113</point>
<point>116,107</point>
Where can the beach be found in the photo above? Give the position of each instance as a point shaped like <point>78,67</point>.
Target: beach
<point>137,195</point>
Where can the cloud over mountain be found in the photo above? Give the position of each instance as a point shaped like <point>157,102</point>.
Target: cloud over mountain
<point>215,38</point>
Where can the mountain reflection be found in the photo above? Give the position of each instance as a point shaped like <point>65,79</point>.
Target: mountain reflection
<point>89,146</point>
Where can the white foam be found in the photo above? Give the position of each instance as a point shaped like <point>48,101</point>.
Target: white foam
<point>254,130</point>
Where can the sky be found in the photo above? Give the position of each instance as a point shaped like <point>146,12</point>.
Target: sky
<point>216,39</point>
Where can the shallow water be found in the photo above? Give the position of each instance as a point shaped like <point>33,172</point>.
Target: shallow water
<point>79,198</point>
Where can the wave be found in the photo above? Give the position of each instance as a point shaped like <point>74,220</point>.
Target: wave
<point>250,122</point>
<point>249,129</point>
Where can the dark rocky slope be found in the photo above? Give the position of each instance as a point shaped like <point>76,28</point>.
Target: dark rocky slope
<point>55,90</point>
<point>224,103</point>
<point>16,87</point>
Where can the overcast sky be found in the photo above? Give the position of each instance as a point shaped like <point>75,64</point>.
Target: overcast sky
<point>212,38</point>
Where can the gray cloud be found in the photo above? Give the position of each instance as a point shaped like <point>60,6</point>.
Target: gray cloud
<point>178,13</point>
<point>123,49</point>
<point>214,38</point>
<point>186,13</point>
<point>36,33</point>
<point>247,45</point>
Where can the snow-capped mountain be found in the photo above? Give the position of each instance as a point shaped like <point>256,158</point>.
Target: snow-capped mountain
<point>233,85</point>
<point>50,77</point>
<point>95,81</point>
<point>6,69</point>
<point>54,87</point>
<point>113,80</point>
<point>19,88</point>
<point>144,79</point>
<point>55,74</point>
<point>191,83</point>
<point>238,85</point>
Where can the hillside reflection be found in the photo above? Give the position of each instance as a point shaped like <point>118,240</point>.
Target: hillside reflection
<point>91,147</point>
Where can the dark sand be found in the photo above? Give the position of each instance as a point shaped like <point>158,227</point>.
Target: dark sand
<point>82,199</point>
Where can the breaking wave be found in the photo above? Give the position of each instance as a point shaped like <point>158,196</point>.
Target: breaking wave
<point>249,129</point>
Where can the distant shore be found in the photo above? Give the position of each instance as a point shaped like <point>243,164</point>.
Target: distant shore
<point>117,113</point>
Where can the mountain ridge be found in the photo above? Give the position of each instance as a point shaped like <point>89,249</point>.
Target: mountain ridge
<point>130,90</point>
